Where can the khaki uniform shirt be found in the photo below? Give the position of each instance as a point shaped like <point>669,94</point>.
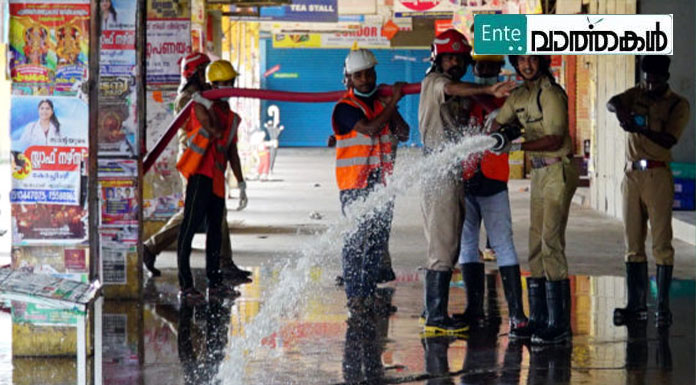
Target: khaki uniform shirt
<point>668,113</point>
<point>541,107</point>
<point>179,103</point>
<point>441,120</point>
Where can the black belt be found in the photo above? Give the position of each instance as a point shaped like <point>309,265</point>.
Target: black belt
<point>645,164</point>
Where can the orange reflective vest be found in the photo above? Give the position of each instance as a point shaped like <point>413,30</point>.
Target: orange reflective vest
<point>493,166</point>
<point>199,141</point>
<point>357,154</point>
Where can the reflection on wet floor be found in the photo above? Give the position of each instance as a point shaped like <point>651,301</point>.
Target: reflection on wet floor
<point>161,342</point>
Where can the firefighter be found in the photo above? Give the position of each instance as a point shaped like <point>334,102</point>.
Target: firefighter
<point>211,134</point>
<point>361,127</point>
<point>442,111</point>
<point>192,80</point>
<point>654,118</point>
<point>485,186</point>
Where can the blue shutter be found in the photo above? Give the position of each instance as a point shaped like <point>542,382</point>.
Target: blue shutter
<point>319,70</point>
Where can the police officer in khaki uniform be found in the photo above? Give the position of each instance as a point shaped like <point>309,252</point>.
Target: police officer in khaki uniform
<point>443,111</point>
<point>653,117</point>
<point>541,107</point>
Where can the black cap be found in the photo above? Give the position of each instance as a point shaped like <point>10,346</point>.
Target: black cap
<point>654,64</point>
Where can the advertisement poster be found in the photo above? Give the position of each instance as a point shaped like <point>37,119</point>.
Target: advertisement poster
<point>367,36</point>
<point>117,55</point>
<point>49,45</point>
<point>416,8</point>
<point>60,262</point>
<point>117,168</point>
<point>166,9</point>
<point>162,187</point>
<point>463,19</point>
<point>303,10</point>
<point>168,41</point>
<point>49,172</point>
<point>118,202</point>
<point>118,15</point>
<point>116,247</point>
<point>118,125</point>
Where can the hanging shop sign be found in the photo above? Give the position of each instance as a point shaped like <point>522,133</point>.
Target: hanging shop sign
<point>303,10</point>
<point>367,36</point>
<point>416,8</point>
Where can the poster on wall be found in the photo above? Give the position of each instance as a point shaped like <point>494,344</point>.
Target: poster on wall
<point>117,123</point>
<point>49,43</point>
<point>463,19</point>
<point>162,190</point>
<point>49,169</point>
<point>118,202</point>
<point>417,8</point>
<point>117,168</point>
<point>117,246</point>
<point>118,15</point>
<point>61,262</point>
<point>117,55</point>
<point>168,41</point>
<point>166,9</point>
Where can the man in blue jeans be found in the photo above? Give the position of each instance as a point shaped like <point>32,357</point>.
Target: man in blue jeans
<point>361,125</point>
<point>485,185</point>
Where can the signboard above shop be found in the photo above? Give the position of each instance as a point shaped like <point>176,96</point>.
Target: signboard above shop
<point>416,8</point>
<point>303,10</point>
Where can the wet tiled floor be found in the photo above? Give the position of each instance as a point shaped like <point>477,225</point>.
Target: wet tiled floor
<point>161,342</point>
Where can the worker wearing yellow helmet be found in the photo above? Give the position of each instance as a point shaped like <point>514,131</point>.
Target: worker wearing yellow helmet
<point>486,198</point>
<point>213,136</point>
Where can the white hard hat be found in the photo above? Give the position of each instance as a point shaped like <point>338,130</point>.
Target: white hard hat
<point>358,60</point>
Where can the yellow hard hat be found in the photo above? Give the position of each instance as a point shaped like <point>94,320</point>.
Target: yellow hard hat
<point>495,58</point>
<point>220,71</point>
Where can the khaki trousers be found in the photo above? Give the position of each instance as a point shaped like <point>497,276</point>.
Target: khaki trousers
<point>648,196</point>
<point>551,194</point>
<point>443,213</point>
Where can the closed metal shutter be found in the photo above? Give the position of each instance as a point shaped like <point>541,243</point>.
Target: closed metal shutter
<point>319,70</point>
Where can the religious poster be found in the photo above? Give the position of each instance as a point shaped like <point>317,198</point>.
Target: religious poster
<point>49,43</point>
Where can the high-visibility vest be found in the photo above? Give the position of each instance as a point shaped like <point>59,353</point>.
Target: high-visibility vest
<point>357,154</point>
<point>199,141</point>
<point>493,166</point>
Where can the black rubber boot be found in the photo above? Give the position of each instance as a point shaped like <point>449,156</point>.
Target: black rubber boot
<point>473,275</point>
<point>637,286</point>
<point>538,312</point>
<point>437,322</point>
<point>149,262</point>
<point>491,302</point>
<point>557,330</point>
<point>512,284</point>
<point>231,272</point>
<point>663,316</point>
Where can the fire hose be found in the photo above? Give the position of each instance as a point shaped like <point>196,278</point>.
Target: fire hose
<point>282,96</point>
